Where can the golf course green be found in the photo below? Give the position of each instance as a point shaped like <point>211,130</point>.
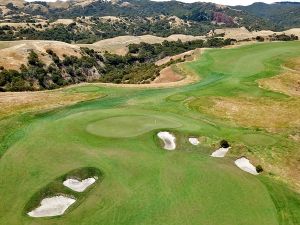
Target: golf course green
<point>141,182</point>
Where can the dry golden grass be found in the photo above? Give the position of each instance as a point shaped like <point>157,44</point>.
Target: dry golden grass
<point>287,83</point>
<point>14,53</point>
<point>263,112</point>
<point>293,64</point>
<point>17,102</point>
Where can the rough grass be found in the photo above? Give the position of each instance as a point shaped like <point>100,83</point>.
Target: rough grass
<point>16,102</point>
<point>145,184</point>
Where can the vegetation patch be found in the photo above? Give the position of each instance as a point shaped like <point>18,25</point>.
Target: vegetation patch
<point>261,112</point>
<point>56,188</point>
<point>258,140</point>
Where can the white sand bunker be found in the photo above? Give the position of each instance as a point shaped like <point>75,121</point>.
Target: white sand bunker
<point>168,139</point>
<point>79,186</point>
<point>194,141</point>
<point>244,164</point>
<point>220,153</point>
<point>53,206</point>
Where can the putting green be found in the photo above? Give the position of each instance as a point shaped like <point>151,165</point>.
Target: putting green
<point>129,126</point>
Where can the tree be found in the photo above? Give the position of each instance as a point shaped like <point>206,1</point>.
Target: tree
<point>224,144</point>
<point>259,169</point>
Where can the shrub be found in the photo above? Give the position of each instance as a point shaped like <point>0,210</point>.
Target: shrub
<point>259,169</point>
<point>260,39</point>
<point>224,144</point>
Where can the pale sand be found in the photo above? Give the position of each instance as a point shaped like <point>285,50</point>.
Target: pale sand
<point>168,139</point>
<point>53,206</point>
<point>77,185</point>
<point>244,164</point>
<point>220,153</point>
<point>194,141</point>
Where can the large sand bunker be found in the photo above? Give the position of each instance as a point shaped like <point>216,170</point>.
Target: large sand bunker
<point>77,185</point>
<point>220,153</point>
<point>168,139</point>
<point>244,164</point>
<point>53,206</point>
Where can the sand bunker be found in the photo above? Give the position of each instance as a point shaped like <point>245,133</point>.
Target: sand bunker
<point>220,153</point>
<point>77,185</point>
<point>53,206</point>
<point>244,164</point>
<point>194,141</point>
<point>168,139</point>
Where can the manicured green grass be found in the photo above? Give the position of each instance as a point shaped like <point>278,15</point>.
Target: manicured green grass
<point>143,183</point>
<point>122,126</point>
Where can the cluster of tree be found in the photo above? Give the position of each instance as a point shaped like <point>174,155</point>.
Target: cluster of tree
<point>138,66</point>
<point>278,37</point>
<point>37,76</point>
<point>154,52</point>
<point>284,37</point>
<point>99,29</point>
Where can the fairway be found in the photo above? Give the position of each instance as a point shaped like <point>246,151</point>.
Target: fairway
<point>142,183</point>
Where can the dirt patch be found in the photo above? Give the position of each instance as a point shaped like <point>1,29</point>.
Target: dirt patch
<point>167,75</point>
<point>176,57</point>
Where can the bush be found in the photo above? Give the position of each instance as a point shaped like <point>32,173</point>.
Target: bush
<point>259,169</point>
<point>224,144</point>
<point>260,39</point>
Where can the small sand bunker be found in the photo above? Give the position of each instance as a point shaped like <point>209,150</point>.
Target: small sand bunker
<point>244,164</point>
<point>79,186</point>
<point>220,153</point>
<point>194,141</point>
<point>53,206</point>
<point>168,139</point>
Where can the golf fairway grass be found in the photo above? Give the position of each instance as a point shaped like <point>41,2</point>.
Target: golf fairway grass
<point>142,183</point>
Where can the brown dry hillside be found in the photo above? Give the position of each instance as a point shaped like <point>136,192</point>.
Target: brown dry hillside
<point>242,33</point>
<point>118,45</point>
<point>18,3</point>
<point>14,53</point>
